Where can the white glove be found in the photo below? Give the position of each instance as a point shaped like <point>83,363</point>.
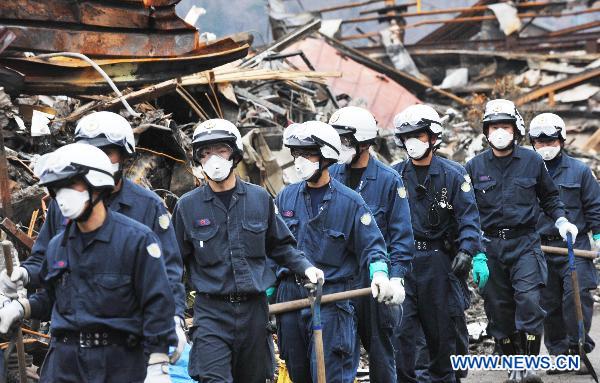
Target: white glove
<point>313,274</point>
<point>181,340</point>
<point>397,287</point>
<point>10,285</point>
<point>564,227</point>
<point>380,287</point>
<point>158,369</point>
<point>9,314</point>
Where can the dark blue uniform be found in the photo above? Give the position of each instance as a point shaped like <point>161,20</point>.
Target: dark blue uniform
<point>509,201</point>
<point>226,250</point>
<point>381,186</point>
<point>341,239</point>
<point>580,193</point>
<point>445,220</point>
<point>109,299</point>
<point>137,203</point>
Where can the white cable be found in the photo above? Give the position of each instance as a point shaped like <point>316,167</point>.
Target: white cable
<point>99,70</point>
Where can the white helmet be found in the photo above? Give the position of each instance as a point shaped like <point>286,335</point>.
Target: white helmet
<point>357,121</point>
<point>105,128</point>
<point>314,134</point>
<point>547,125</point>
<point>75,160</point>
<point>217,130</point>
<point>501,110</point>
<point>417,117</point>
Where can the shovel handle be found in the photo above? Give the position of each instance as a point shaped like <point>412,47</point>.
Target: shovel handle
<point>565,251</point>
<point>284,307</point>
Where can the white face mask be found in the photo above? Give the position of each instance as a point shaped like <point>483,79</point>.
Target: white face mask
<point>416,148</point>
<point>305,167</point>
<point>115,167</point>
<point>548,152</point>
<point>346,154</point>
<point>217,168</point>
<point>500,138</point>
<point>71,202</point>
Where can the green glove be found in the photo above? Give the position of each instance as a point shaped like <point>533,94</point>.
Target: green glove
<point>270,291</point>
<point>480,270</point>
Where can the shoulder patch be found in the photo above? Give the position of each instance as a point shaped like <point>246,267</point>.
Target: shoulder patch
<point>402,192</point>
<point>164,221</point>
<point>154,250</point>
<point>366,219</point>
<point>466,187</point>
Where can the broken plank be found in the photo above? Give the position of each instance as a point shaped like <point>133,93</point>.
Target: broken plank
<point>132,98</point>
<point>15,233</point>
<point>243,93</point>
<point>558,85</point>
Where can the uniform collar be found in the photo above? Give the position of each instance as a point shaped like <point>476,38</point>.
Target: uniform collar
<point>240,188</point>
<point>124,196</point>
<point>103,234</point>
<point>516,153</point>
<point>434,165</point>
<point>328,194</point>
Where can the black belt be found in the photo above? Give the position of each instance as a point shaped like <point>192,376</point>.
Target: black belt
<point>297,279</point>
<point>97,338</point>
<point>425,245</point>
<point>234,297</point>
<point>551,238</point>
<point>507,232</point>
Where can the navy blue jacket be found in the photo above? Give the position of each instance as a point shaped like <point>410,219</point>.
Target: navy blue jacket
<point>342,238</point>
<point>446,209</point>
<point>512,197</point>
<point>580,193</point>
<point>381,188</point>
<point>116,279</point>
<point>137,203</point>
<point>226,249</point>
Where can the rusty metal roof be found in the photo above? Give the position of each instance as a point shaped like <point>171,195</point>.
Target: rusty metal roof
<point>126,28</point>
<point>382,96</point>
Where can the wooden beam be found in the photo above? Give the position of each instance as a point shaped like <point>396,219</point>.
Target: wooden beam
<point>132,98</point>
<point>346,6</point>
<point>556,86</point>
<point>16,234</point>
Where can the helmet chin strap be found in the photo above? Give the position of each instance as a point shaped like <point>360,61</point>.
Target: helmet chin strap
<point>358,153</point>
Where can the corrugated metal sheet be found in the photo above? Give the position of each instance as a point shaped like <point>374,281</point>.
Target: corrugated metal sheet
<point>383,96</point>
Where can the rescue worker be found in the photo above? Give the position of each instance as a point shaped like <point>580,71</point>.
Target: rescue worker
<point>103,280</point>
<point>380,187</point>
<point>447,240</point>
<point>511,184</point>
<point>337,232</point>
<point>580,193</point>
<point>226,229</point>
<point>112,133</point>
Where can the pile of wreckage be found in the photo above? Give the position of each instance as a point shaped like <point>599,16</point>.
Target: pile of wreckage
<point>144,59</point>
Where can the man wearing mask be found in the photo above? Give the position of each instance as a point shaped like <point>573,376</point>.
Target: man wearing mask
<point>381,188</point>
<point>511,185</point>
<point>113,135</point>
<point>103,281</point>
<point>337,232</point>
<point>580,193</point>
<point>226,230</point>
<point>447,240</point>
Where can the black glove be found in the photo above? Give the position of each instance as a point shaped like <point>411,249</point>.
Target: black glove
<point>461,264</point>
